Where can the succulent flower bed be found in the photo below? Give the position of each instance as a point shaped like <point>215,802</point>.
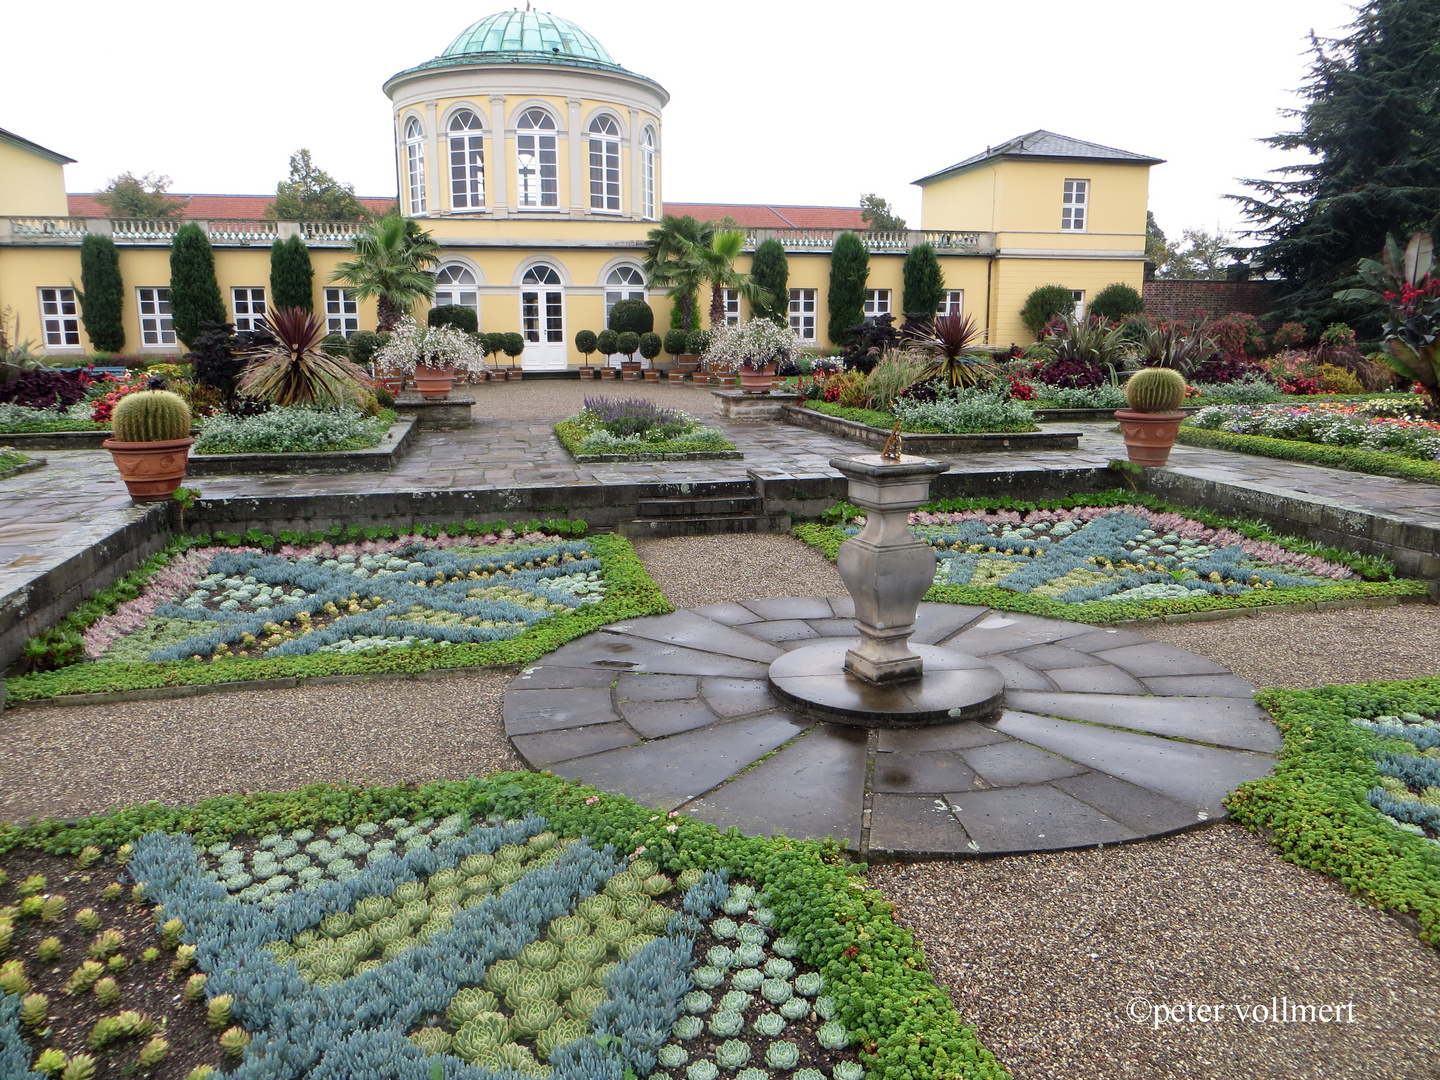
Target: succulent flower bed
<point>637,429</point>
<point>509,927</point>
<point>1376,426</point>
<point>1119,556</point>
<point>258,607</point>
<point>293,430</point>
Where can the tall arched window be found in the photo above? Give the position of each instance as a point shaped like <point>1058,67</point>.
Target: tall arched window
<point>455,284</point>
<point>623,283</point>
<point>647,172</point>
<point>537,168</point>
<point>415,164</point>
<point>604,164</point>
<point>467,162</point>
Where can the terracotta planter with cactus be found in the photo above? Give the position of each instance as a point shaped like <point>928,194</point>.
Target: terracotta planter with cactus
<point>151,443</point>
<point>1153,420</point>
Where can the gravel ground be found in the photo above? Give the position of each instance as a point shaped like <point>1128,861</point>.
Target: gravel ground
<point>694,571</point>
<point>565,397</point>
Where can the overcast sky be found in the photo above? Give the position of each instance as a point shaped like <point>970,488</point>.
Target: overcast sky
<point>778,101</point>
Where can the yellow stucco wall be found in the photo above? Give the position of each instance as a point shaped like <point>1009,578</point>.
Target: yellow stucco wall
<point>1013,279</point>
<point>30,184</point>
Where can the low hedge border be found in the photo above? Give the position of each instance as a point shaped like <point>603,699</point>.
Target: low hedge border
<point>906,1026</point>
<point>629,593</point>
<point>1313,805</point>
<point>1374,462</point>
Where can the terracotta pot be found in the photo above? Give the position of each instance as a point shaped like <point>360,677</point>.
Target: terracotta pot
<point>676,378</point>
<point>433,382</point>
<point>1149,436</point>
<point>685,362</point>
<point>757,381</point>
<point>151,470</point>
<point>587,372</point>
<point>651,376</point>
<point>607,373</point>
<point>631,374</point>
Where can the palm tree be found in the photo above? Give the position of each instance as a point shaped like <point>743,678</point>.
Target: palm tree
<point>392,260</point>
<point>717,261</point>
<point>670,261</point>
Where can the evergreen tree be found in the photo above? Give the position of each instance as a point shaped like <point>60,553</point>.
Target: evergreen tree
<point>312,194</point>
<point>770,270</point>
<point>102,295</point>
<point>924,283</point>
<point>1372,128</point>
<point>849,270</point>
<point>878,215</point>
<point>194,292</point>
<point>291,275</point>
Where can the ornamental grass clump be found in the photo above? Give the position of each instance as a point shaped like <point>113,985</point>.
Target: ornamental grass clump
<point>294,370</point>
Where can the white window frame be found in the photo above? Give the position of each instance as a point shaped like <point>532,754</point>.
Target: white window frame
<point>1075,206</point>
<point>647,173</point>
<point>604,149</point>
<point>467,162</point>
<point>623,283</point>
<point>731,299</point>
<point>537,180</point>
<point>60,318</point>
<point>542,279</point>
<point>156,326</point>
<point>1079,295</point>
<point>248,306</point>
<point>877,303</point>
<point>452,288</point>
<point>952,302</point>
<point>802,313</point>
<point>415,164</point>
<point>342,312</point>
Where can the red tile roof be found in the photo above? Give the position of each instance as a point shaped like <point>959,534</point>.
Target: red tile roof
<point>765,216</point>
<point>214,207</point>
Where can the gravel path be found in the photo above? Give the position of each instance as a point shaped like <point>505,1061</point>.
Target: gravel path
<point>694,571</point>
<point>564,397</point>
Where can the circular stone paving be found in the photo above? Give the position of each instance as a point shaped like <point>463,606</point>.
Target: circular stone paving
<point>1105,735</point>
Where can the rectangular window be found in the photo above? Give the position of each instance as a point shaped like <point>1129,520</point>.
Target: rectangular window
<point>60,318</point>
<point>952,302</point>
<point>249,308</point>
<point>605,175</point>
<point>415,168</point>
<point>732,307</point>
<point>537,172</point>
<point>467,171</point>
<point>877,302</point>
<point>342,313</point>
<point>1072,213</point>
<point>647,178</point>
<point>155,325</point>
<point>614,296</point>
<point>1079,295</point>
<point>802,313</point>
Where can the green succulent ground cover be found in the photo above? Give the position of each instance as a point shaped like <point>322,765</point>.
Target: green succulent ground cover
<point>1378,575</point>
<point>572,436</point>
<point>1375,462</point>
<point>904,1026</point>
<point>629,592</point>
<point>1314,804</point>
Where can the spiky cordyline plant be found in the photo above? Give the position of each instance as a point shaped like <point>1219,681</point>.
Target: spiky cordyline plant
<point>952,335</point>
<point>294,370</point>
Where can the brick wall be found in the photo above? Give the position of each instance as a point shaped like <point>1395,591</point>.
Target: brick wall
<point>1175,299</point>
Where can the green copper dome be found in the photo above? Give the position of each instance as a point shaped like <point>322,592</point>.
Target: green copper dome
<point>523,35</point>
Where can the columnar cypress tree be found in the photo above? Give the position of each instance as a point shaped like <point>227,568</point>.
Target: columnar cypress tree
<point>771,271</point>
<point>194,292</point>
<point>849,270</point>
<point>291,276</point>
<point>924,282</point>
<point>102,294</point>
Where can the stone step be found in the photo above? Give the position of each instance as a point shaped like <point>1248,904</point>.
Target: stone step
<point>717,525</point>
<point>698,507</point>
<point>704,489</point>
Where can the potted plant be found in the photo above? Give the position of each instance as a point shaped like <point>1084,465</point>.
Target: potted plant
<point>1152,421</point>
<point>430,354</point>
<point>150,443</point>
<point>650,348</point>
<point>514,346</point>
<point>627,342</point>
<point>493,344</point>
<point>695,342</point>
<point>586,343</point>
<point>681,358</point>
<point>754,350</point>
<point>608,343</point>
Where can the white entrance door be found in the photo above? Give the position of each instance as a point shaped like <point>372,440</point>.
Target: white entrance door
<point>542,319</point>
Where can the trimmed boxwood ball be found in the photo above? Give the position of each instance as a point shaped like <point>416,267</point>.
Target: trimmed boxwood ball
<point>675,342</point>
<point>1117,301</point>
<point>1043,304</point>
<point>514,344</point>
<point>650,346</point>
<point>150,416</point>
<point>456,315</point>
<point>634,316</point>
<point>1154,390</point>
<point>608,342</point>
<point>628,342</point>
<point>586,343</point>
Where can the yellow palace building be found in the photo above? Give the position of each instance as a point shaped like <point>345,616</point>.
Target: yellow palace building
<point>537,163</point>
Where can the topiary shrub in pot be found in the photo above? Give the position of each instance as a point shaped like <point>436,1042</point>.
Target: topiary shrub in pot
<point>649,346</point>
<point>1152,421</point>
<point>628,342</point>
<point>681,358</point>
<point>608,343</point>
<point>150,443</point>
<point>586,343</point>
<point>514,346</point>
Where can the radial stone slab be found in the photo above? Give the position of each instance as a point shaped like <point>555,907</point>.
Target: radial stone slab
<point>1093,736</point>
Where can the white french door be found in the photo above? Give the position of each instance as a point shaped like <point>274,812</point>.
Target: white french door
<point>542,320</point>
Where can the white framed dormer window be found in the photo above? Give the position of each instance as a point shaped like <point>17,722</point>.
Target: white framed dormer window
<point>342,312</point>
<point>415,165</point>
<point>537,162</point>
<point>60,318</point>
<point>952,302</point>
<point>647,173</point>
<point>802,313</point>
<point>732,307</point>
<point>455,284</point>
<point>1079,295</point>
<point>605,165</point>
<point>248,306</point>
<point>877,303</point>
<point>155,325</point>
<point>467,162</point>
<point>1074,209</point>
<point>623,283</point>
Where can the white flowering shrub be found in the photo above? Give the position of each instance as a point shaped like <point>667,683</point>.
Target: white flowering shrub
<point>412,345</point>
<point>752,344</point>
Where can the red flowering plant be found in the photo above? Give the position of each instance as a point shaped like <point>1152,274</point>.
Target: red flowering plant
<point>1403,284</point>
<point>111,390</point>
<point>1021,390</point>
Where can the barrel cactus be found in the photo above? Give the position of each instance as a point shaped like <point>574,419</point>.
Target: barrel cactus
<point>150,416</point>
<point>1155,390</point>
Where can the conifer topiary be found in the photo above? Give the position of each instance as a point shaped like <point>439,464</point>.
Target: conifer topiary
<point>632,315</point>
<point>514,345</point>
<point>849,270</point>
<point>627,342</point>
<point>924,282</point>
<point>102,294</point>
<point>770,270</point>
<point>608,342</point>
<point>291,275</point>
<point>194,292</point>
<point>675,342</point>
<point>650,345</point>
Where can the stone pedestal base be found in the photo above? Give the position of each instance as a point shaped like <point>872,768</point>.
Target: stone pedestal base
<point>956,686</point>
<point>738,405</point>
<point>450,413</point>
